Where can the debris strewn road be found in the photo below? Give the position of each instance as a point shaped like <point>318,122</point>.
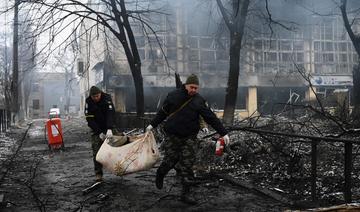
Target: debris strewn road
<point>42,180</point>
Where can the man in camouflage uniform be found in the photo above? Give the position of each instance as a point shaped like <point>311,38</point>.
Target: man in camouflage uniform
<point>99,113</point>
<point>182,110</point>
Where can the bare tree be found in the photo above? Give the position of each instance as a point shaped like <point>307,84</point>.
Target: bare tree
<point>18,68</point>
<point>15,65</point>
<point>235,15</point>
<point>235,21</point>
<point>104,15</point>
<point>355,39</point>
<point>27,65</point>
<point>5,65</point>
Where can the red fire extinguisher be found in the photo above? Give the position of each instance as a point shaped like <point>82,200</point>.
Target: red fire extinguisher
<point>220,144</point>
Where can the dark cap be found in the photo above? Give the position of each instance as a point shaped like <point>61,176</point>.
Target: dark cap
<point>94,90</point>
<point>192,79</point>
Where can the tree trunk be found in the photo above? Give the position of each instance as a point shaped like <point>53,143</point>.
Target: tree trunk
<point>135,68</point>
<point>139,90</point>
<point>233,78</point>
<point>7,88</point>
<point>27,86</point>
<point>236,26</point>
<point>15,75</point>
<point>356,95</point>
<point>67,91</point>
<point>27,90</point>
<point>127,39</point>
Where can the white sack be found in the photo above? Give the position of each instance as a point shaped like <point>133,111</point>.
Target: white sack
<point>138,155</point>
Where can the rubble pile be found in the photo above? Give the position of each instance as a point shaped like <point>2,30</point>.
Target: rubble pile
<point>282,163</point>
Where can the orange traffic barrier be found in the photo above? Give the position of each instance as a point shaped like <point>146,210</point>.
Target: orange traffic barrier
<point>54,133</point>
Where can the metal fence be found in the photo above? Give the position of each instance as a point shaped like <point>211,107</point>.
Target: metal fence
<point>4,120</point>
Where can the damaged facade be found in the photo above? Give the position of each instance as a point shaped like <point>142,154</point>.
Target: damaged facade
<point>269,67</point>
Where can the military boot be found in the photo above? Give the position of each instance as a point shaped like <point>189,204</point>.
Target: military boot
<point>159,181</point>
<point>99,177</point>
<point>186,196</point>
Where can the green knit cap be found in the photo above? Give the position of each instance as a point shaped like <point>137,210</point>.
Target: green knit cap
<point>94,90</point>
<point>192,79</point>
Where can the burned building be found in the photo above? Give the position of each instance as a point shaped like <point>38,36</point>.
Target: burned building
<point>191,42</point>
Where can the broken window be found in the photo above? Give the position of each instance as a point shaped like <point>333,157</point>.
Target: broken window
<point>258,68</point>
<point>206,43</point>
<point>355,58</point>
<point>194,55</point>
<point>317,58</point>
<point>328,57</point>
<point>207,55</point>
<point>328,31</point>
<point>343,57</point>
<point>270,68</point>
<point>286,57</point>
<point>171,41</point>
<point>299,45</point>
<point>350,47</point>
<point>271,56</point>
<point>318,68</point>
<point>317,45</point>
<point>284,68</point>
<point>258,56</point>
<point>36,104</point>
<point>300,57</point>
<point>285,45</point>
<point>193,42</point>
<point>171,54</point>
<point>342,47</point>
<point>271,45</point>
<point>342,68</point>
<point>328,46</point>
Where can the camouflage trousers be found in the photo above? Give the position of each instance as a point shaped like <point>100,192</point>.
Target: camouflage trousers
<point>179,154</point>
<point>96,143</point>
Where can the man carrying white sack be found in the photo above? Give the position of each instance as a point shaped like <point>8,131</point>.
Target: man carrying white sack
<point>182,109</point>
<point>99,113</point>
